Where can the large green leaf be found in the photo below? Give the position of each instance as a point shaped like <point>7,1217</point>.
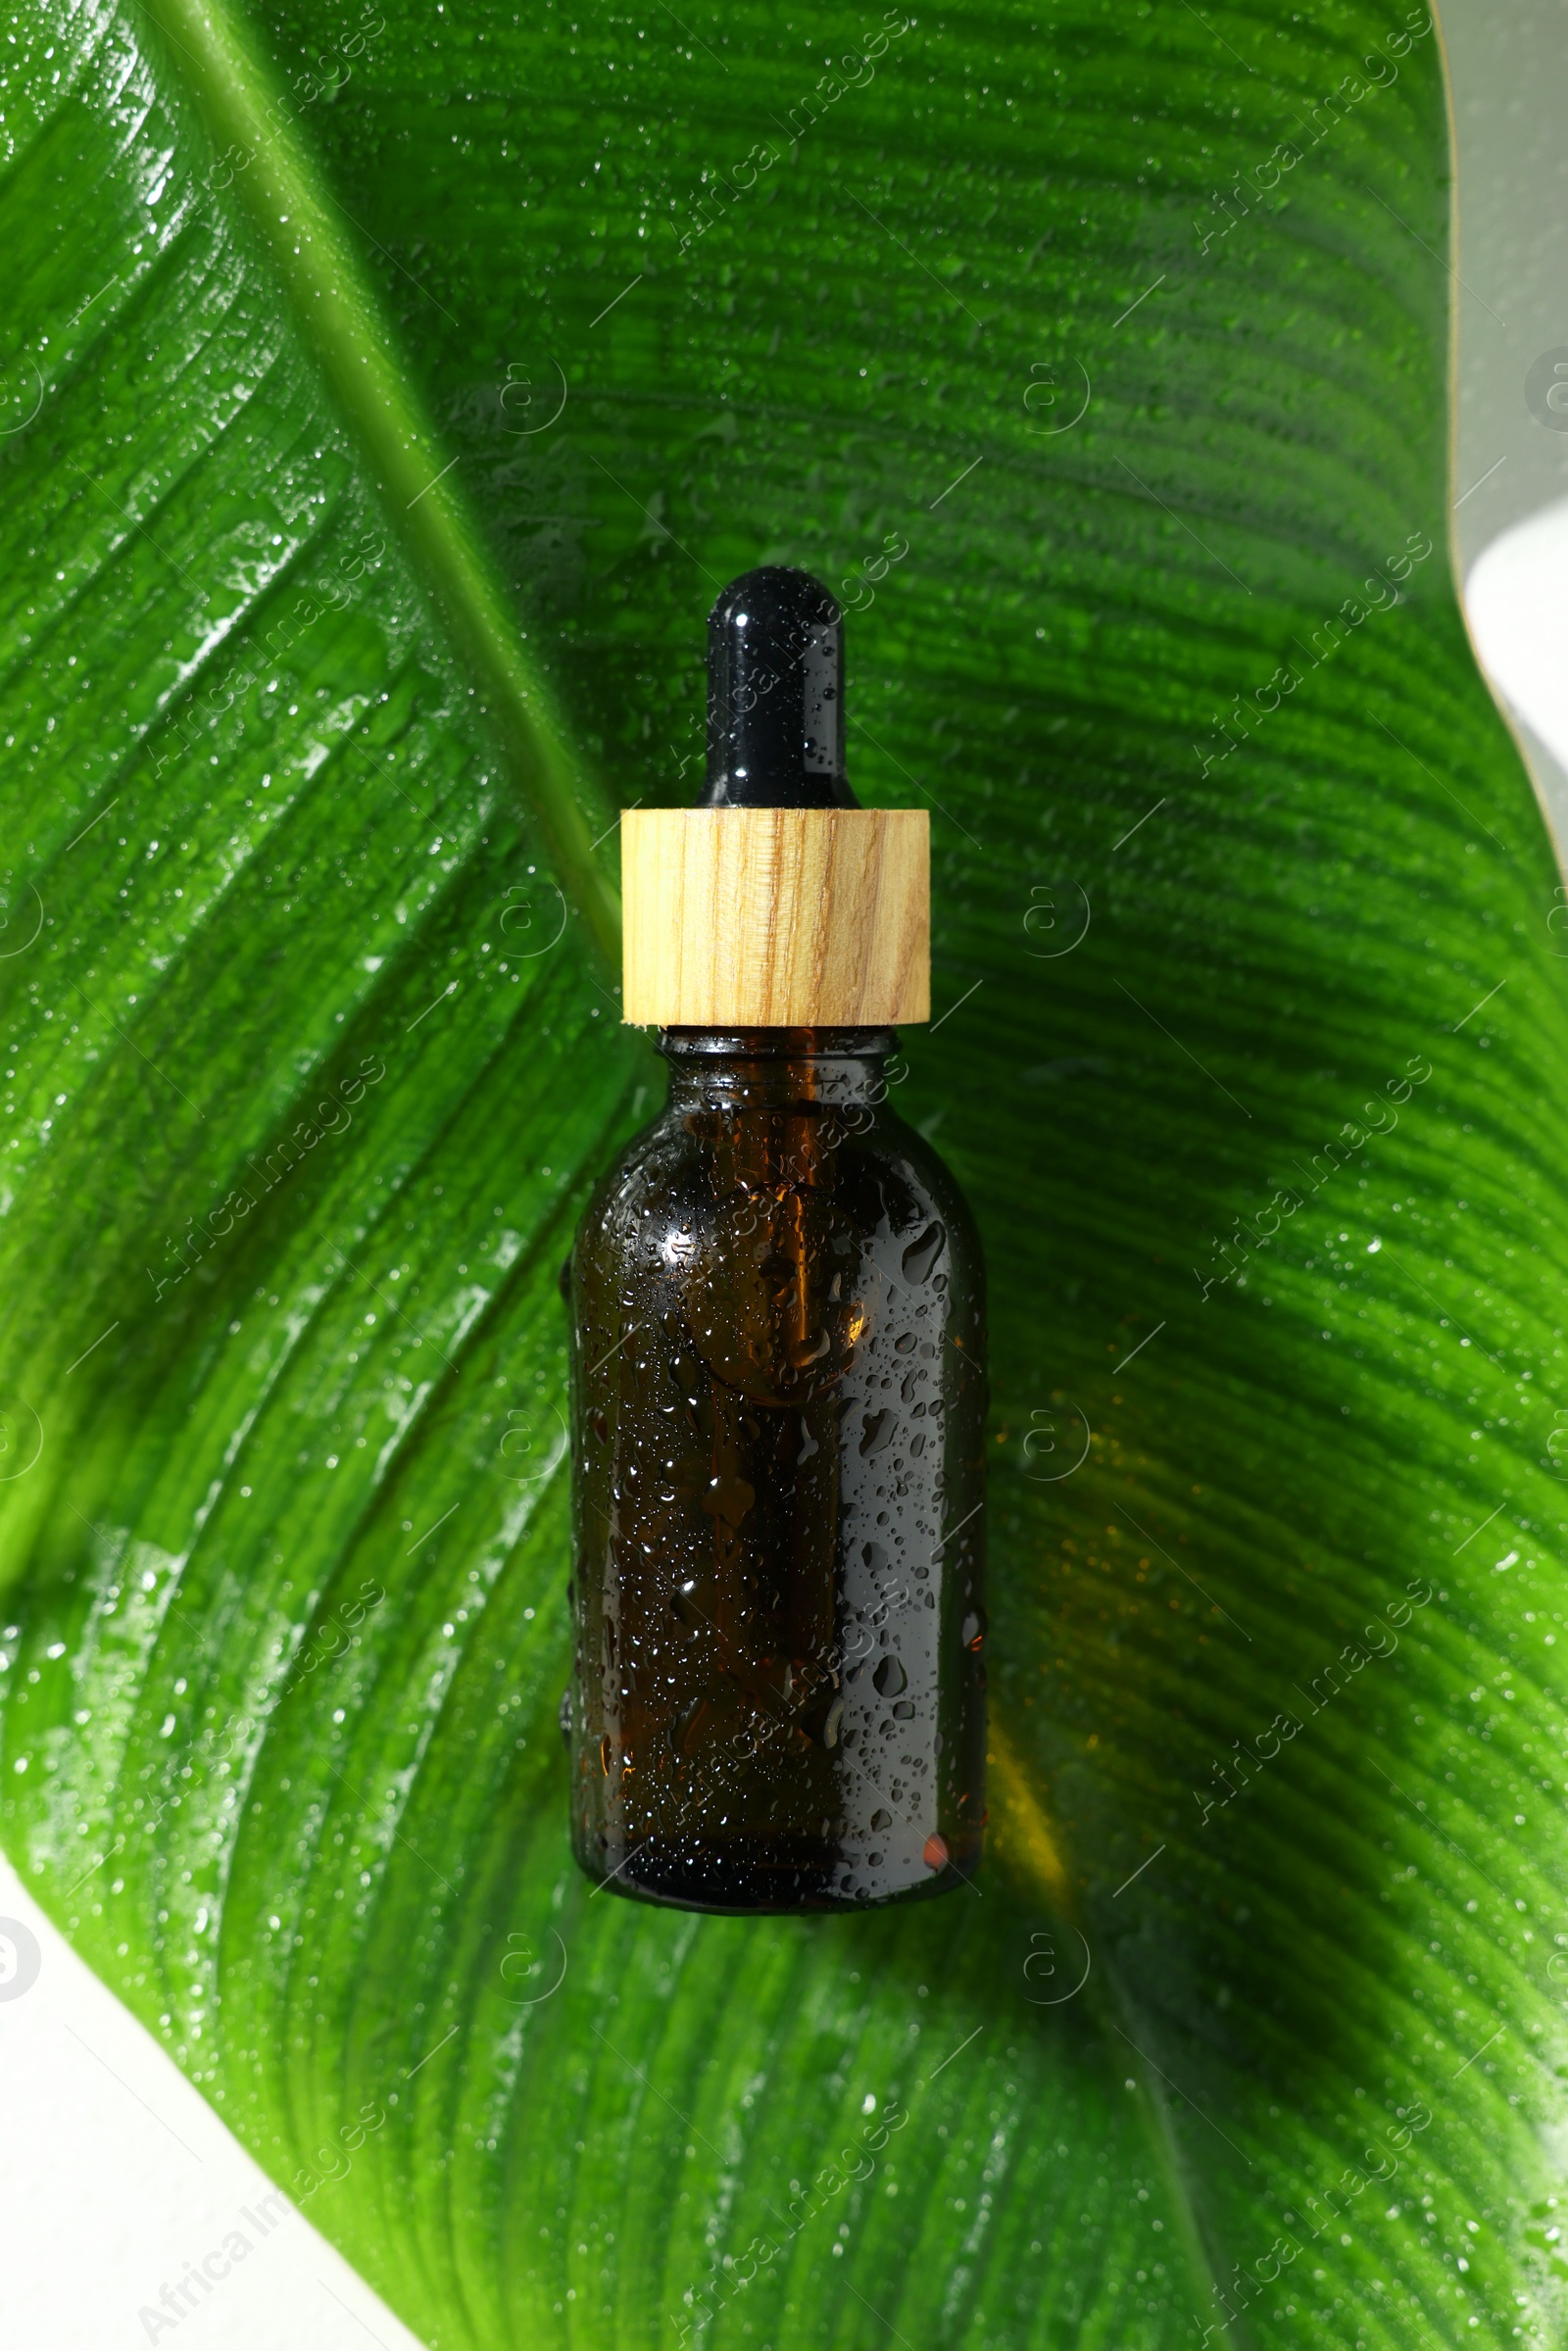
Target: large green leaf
<point>310,1065</point>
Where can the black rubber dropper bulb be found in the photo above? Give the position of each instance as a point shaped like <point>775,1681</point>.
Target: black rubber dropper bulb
<point>775,695</point>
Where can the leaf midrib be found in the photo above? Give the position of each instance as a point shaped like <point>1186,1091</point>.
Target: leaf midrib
<point>339,319</point>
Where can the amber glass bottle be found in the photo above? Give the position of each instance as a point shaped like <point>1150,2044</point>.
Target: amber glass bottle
<point>779,1393</point>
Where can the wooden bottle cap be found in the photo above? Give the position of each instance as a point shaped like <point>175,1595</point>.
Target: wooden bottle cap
<point>769,917</point>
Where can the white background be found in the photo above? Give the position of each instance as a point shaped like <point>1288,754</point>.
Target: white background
<point>117,2179</point>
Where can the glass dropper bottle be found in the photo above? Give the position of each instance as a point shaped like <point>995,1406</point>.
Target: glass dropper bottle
<point>777,1345</point>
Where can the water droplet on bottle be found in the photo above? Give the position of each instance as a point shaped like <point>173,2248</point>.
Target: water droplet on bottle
<point>976,1625</point>
<point>876,1431</point>
<point>890,1679</point>
<point>687,1726</point>
<point>728,1499</point>
<point>922,1253</point>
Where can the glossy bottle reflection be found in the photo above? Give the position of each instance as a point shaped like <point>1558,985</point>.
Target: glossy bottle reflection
<point>779,1403</point>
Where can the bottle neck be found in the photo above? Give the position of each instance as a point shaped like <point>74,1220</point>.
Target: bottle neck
<point>747,1068</point>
